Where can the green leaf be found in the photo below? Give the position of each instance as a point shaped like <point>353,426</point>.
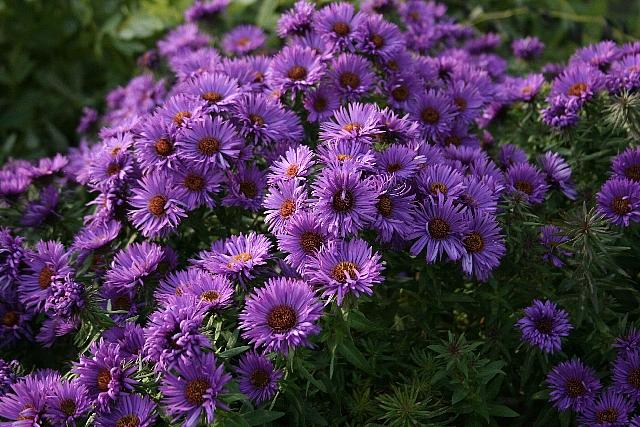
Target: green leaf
<point>261,416</point>
<point>233,351</point>
<point>459,394</point>
<point>502,411</point>
<point>354,356</point>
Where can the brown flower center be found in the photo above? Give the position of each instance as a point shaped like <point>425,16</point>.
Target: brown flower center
<point>311,241</point>
<point>524,187</point>
<point>195,391</point>
<point>130,420</point>
<point>527,90</point>
<point>10,319</point>
<point>385,205</point>
<point>194,182</point>
<point>210,296</point>
<point>288,208</point>
<point>103,379</point>
<point>68,407</point>
<point>438,228</point>
<point>180,117</point>
<point>544,325</point>
<point>341,28</point>
<point>377,40</point>
<point>349,79</point>
<point>393,167</point>
<point>44,278</point>
<point>163,147</point>
<point>430,115</point>
<point>473,242</point>
<point>575,387</point>
<point>609,415</point>
<point>400,93</point>
<point>621,206</point>
<point>243,257</point>
<point>460,102</point>
<point>577,89</point>
<point>350,127</point>
<point>634,378</point>
<point>156,205</point>
<point>342,269</point>
<point>438,187</point>
<point>258,77</point>
<point>256,119</point>
<point>342,201</point>
<point>212,97</point>
<point>297,72</point>
<point>281,318</point>
<point>121,303</point>
<point>243,41</point>
<point>208,146</point>
<point>292,170</point>
<point>259,378</point>
<point>113,168</point>
<point>343,157</point>
<point>452,140</point>
<point>320,104</point>
<point>249,189</point>
<point>633,172</point>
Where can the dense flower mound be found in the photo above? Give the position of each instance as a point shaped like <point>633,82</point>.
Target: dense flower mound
<point>227,215</point>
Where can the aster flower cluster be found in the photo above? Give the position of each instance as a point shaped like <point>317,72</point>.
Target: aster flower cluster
<point>236,203</point>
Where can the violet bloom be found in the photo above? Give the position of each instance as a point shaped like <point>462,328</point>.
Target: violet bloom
<point>281,315</point>
<point>394,209</point>
<point>627,164</point>
<point>544,325</point>
<point>8,375</point>
<point>295,68</point>
<point>563,112</point>
<point>258,378</point>
<point>67,402</point>
<point>525,88</point>
<point>527,48</point>
<point>12,253</point>
<point>558,173</point>
<point>180,111</point>
<point>610,409</point>
<point>66,299</point>
<point>25,404</point>
<point>467,100</point>
<point>265,121</point>
<point>440,180</point>
<point>181,39</point>
<point>294,164</point>
<point>435,112</point>
<point>205,10</point>
<point>578,82</point>
<point>212,141</point>
<point>573,386</point>
<point>355,123</point>
<point>241,256</point>
<point>303,237</point>
<point>131,410</point>
<point>598,55</point>
<point>628,342</point>
<point>478,195</point>
<point>626,375</point>
<point>551,238</point>
<point>351,75</point>
<point>213,292</point>
<point>484,246</point>
<point>379,38</point>
<point>321,103</point>
<point>135,263</point>
<point>95,236</point>
<point>198,182</point>
<point>219,91</point>
<point>283,202</point>
<point>619,201</point>
<point>245,188</point>
<point>243,39</point>
<point>526,182</point>
<point>193,388</point>
<point>336,23</point>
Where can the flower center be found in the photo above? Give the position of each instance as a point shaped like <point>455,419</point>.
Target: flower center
<point>44,278</point>
<point>377,40</point>
<point>10,319</point>
<point>393,167</point>
<point>577,89</point>
<point>385,205</point>
<point>320,104</point>
<point>163,147</point>
<point>243,257</point>
<point>194,182</point>
<point>195,391</point>
<point>544,325</point>
<point>527,90</point>
<point>210,296</point>
<point>243,41</point>
<point>256,119</point>
<point>297,72</point>
<point>180,117</point>
<point>460,102</point>
<point>430,115</point>
<point>258,77</point>
<point>259,378</point>
<point>130,420</point>
<point>342,269</point>
<point>634,378</point>
<point>249,189</point>
<point>121,303</point>
<point>575,388</point>
<point>113,169</point>
<point>288,208</point>
<point>341,28</point>
<point>342,201</point>
<point>452,140</point>
<point>349,79</point>
<point>311,241</point>
<point>103,379</point>
<point>633,172</point>
<point>212,96</point>
<point>68,407</point>
<point>281,318</point>
<point>156,205</point>
<point>621,206</point>
<point>208,146</point>
<point>400,93</point>
<point>524,187</point>
<point>292,170</point>
<point>438,187</point>
<point>473,242</point>
<point>343,157</point>
<point>609,415</point>
<point>438,228</point>
<point>350,127</point>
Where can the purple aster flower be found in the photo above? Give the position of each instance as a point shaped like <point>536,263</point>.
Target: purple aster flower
<point>440,179</point>
<point>525,88</point>
<point>626,375</point>
<point>157,207</point>
<point>213,291</point>
<point>181,110</point>
<point>8,375</point>
<point>133,264</point>
<point>435,112</point>
<point>25,404</point>
<point>66,402</point>
<point>578,81</point>
<point>37,212</point>
<point>14,322</point>
<point>527,48</point>
<point>55,327</point>
<point>131,410</point>
<point>182,38</point>
<point>356,122</point>
<point>573,386</point>
<point>344,201</point>
<point>609,410</point>
<point>351,76</point>
<point>49,166</point>
<point>628,342</point>
<point>48,265</point>
<point>88,118</point>
<point>219,91</point>
<point>379,38</point>
<point>563,111</point>
<point>543,325</point>
<point>296,164</point>
<point>110,169</point>
<point>95,236</point>
<point>258,379</point>
<point>240,256</point>
<point>321,103</point>
<point>298,20</point>
<point>551,238</point>
<point>173,333</point>
<point>66,298</point>
<point>400,89</point>
<point>484,245</point>
<point>155,145</point>
<point>347,154</point>
<point>336,23</point>
<point>246,188</point>
<point>510,155</point>
<point>243,39</point>
<point>281,315</point>
<point>467,100</point>
<point>13,184</point>
<point>619,201</point>
<point>552,70</point>
<point>439,226</point>
<point>342,268</point>
<point>193,388</point>
<point>129,337</point>
<point>198,182</point>
<point>399,161</point>
<point>624,74</point>
<point>265,121</point>
<point>526,182</point>
<point>478,195</point>
<point>283,201</point>
<point>627,164</point>
<point>303,237</point>
<point>483,43</point>
<point>205,10</point>
<point>213,141</point>
<point>12,253</point>
<point>178,282</point>
<point>599,55</point>
<point>105,373</point>
<point>558,173</point>
<point>295,68</point>
<point>195,63</point>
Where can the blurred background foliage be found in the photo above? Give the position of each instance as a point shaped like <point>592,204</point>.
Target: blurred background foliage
<point>57,56</point>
